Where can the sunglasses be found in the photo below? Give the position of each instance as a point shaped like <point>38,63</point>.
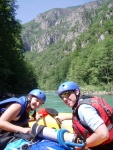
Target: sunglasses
<point>65,94</point>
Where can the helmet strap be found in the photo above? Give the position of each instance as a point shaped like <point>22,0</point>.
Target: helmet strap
<point>77,98</point>
<point>29,98</point>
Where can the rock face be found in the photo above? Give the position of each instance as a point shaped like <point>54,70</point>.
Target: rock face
<point>58,25</point>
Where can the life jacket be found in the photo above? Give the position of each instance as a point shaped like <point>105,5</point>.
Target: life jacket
<point>23,102</point>
<point>103,109</point>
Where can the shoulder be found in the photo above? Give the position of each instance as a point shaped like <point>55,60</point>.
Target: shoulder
<point>12,110</point>
<point>14,106</point>
<point>89,116</point>
<point>86,110</point>
<point>86,106</point>
<point>22,100</point>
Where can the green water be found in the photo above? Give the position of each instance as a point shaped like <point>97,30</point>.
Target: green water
<point>53,101</point>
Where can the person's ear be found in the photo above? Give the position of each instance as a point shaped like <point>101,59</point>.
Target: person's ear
<point>77,92</point>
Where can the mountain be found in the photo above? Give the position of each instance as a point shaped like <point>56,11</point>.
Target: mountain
<point>55,42</point>
<point>58,24</point>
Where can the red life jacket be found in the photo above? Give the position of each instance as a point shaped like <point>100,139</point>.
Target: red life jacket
<point>103,109</point>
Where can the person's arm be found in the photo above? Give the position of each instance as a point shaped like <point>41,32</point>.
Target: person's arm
<point>89,117</point>
<point>11,115</point>
<point>100,135</point>
<point>5,125</point>
<point>63,117</point>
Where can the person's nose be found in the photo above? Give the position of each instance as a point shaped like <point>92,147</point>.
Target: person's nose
<point>38,103</point>
<point>64,99</point>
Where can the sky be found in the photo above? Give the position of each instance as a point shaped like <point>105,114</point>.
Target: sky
<point>29,9</point>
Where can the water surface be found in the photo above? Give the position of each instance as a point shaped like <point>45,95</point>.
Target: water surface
<point>53,101</point>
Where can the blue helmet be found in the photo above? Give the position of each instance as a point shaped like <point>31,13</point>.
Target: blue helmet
<point>39,94</point>
<point>68,86</point>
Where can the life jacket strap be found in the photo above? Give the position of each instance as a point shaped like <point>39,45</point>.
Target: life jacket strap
<point>110,127</point>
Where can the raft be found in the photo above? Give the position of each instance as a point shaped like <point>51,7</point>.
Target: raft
<point>48,133</point>
<point>47,139</point>
<point>51,122</point>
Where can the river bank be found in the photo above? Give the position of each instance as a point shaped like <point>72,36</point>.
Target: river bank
<point>97,93</point>
<point>92,92</point>
<point>9,95</point>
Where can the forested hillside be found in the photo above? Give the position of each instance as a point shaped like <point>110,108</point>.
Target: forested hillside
<point>74,43</point>
<point>86,59</point>
<point>16,74</point>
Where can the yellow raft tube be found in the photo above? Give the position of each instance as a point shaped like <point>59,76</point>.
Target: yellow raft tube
<point>51,122</point>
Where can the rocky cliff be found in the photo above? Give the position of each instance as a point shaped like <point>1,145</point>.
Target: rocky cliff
<point>58,25</point>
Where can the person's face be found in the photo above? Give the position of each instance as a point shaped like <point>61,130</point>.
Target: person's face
<point>35,103</point>
<point>69,97</point>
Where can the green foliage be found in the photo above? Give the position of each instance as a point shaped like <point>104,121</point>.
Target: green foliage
<point>16,75</point>
<point>91,67</point>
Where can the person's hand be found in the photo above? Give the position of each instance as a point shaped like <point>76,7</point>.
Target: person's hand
<point>60,118</point>
<point>31,119</point>
<point>38,117</point>
<point>26,130</point>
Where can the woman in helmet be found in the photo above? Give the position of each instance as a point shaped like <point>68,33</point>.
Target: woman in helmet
<point>89,116</point>
<point>14,112</point>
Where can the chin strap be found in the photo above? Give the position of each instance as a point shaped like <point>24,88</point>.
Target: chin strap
<point>29,101</point>
<point>77,97</point>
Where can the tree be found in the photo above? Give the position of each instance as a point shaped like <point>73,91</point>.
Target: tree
<point>14,70</point>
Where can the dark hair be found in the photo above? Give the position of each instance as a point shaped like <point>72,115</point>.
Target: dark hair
<point>34,114</point>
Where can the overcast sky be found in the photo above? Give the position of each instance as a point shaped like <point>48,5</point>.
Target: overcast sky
<point>29,9</point>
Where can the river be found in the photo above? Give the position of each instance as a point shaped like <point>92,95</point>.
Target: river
<point>53,101</point>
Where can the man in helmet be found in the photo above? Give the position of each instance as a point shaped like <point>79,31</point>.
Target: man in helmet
<point>14,112</point>
<point>89,116</point>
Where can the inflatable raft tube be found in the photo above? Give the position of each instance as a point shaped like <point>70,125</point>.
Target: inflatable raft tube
<point>49,139</point>
<point>51,122</point>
